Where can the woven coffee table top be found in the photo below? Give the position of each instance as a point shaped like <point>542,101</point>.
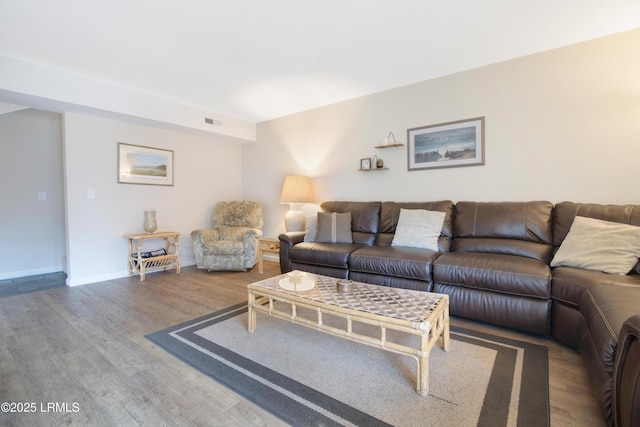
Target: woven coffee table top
<point>404,304</point>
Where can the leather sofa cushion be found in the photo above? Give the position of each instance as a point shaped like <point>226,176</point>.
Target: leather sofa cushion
<point>519,248</point>
<point>605,308</point>
<point>322,254</point>
<point>337,272</point>
<point>515,228</point>
<point>505,274</point>
<point>391,281</point>
<point>412,263</point>
<point>568,283</point>
<point>524,314</point>
<point>530,221</point>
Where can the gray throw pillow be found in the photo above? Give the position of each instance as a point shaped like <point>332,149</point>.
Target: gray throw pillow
<point>334,227</point>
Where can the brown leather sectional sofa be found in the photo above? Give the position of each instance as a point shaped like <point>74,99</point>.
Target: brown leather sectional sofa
<point>494,263</point>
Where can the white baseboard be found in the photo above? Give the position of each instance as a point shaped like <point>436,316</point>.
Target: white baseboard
<point>34,272</point>
<point>117,275</point>
<point>93,279</point>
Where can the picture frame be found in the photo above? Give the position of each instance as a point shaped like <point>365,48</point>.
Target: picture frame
<point>446,145</point>
<point>138,164</point>
<point>365,164</point>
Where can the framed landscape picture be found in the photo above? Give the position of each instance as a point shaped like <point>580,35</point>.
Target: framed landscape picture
<point>446,145</point>
<point>144,165</point>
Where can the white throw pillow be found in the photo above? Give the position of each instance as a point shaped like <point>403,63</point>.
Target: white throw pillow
<point>594,244</point>
<point>418,228</point>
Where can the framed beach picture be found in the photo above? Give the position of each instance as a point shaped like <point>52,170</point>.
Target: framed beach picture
<point>446,145</point>
<point>144,165</point>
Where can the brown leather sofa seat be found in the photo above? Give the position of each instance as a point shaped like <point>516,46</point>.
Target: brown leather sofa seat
<point>395,266</point>
<point>322,258</point>
<point>499,289</point>
<point>331,259</point>
<point>568,284</point>
<point>409,268</point>
<point>498,268</point>
<point>605,309</point>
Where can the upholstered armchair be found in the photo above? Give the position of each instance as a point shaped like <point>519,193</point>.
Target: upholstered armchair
<point>232,241</point>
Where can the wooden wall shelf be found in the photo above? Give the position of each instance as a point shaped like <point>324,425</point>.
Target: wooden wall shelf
<point>389,145</point>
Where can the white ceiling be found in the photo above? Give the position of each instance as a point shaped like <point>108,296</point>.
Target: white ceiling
<point>261,59</point>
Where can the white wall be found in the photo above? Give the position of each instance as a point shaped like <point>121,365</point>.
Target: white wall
<point>560,125</point>
<point>32,230</point>
<point>205,171</point>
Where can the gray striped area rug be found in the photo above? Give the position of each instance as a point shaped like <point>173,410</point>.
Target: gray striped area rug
<point>309,378</point>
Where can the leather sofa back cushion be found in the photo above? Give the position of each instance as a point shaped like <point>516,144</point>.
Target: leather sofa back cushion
<point>365,216</point>
<point>510,228</point>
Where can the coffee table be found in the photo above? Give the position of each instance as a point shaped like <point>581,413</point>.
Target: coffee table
<point>424,314</point>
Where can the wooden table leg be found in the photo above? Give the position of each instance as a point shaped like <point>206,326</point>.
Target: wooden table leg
<point>446,340</point>
<point>260,260</point>
<point>422,386</point>
<point>251,315</point>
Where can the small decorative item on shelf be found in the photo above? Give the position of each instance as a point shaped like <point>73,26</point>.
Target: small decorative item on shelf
<point>150,224</point>
<point>390,137</point>
<point>365,164</point>
<point>379,162</point>
<point>389,141</point>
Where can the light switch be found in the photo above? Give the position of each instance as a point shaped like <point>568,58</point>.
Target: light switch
<point>42,195</point>
<point>91,193</point>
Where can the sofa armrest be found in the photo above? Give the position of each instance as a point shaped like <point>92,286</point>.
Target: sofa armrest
<point>287,240</point>
<point>291,238</point>
<point>626,375</point>
<point>204,237</point>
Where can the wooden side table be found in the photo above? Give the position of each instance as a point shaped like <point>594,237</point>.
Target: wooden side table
<point>139,265</point>
<point>267,244</point>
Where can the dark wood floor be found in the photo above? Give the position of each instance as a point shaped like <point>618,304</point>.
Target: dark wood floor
<point>25,285</point>
<point>78,356</point>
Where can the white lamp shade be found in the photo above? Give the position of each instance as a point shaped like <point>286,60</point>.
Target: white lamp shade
<point>296,189</point>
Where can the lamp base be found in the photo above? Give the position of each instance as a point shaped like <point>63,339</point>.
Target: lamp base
<point>295,220</point>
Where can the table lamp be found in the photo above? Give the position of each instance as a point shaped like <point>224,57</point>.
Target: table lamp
<point>296,191</point>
